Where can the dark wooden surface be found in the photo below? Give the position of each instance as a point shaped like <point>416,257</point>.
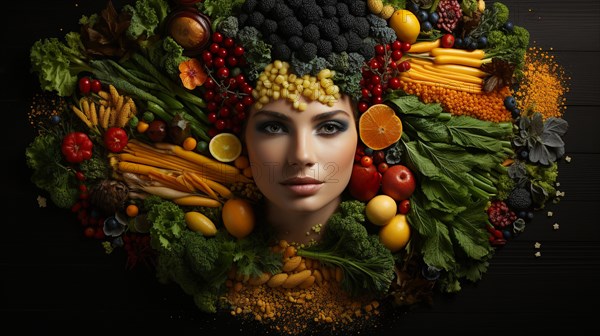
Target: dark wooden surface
<point>52,278</point>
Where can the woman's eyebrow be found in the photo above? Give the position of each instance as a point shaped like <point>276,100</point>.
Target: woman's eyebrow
<point>273,114</point>
<point>328,115</point>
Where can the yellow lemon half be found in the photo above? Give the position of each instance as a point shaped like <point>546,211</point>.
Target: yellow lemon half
<point>406,25</point>
<point>225,147</point>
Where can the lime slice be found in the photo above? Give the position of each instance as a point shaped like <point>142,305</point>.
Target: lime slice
<point>225,147</point>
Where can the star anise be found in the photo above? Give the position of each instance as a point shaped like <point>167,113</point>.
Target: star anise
<point>107,35</point>
<point>501,74</point>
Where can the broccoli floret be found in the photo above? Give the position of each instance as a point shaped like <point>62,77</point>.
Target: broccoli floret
<point>249,6</point>
<point>266,5</point>
<point>255,19</point>
<point>376,21</point>
<point>281,52</point>
<point>290,26</point>
<point>229,26</point>
<point>242,18</point>
<point>346,22</point>
<point>329,29</point>
<point>522,36</point>
<point>274,39</point>
<point>324,3</point>
<point>339,44</point>
<point>311,67</point>
<point>168,54</point>
<point>509,47</point>
<point>384,34</point>
<point>367,48</point>
<point>329,11</point>
<point>504,186</point>
<point>167,220</point>
<point>307,52</point>
<point>342,9</point>
<point>295,42</point>
<point>519,199</point>
<point>310,12</point>
<point>468,7</point>
<point>64,194</point>
<point>367,264</point>
<point>358,8</point>
<point>354,41</point>
<point>500,13</point>
<point>310,33</point>
<point>268,27</point>
<point>258,53</point>
<point>324,48</point>
<point>95,168</point>
<point>280,12</point>
<point>294,4</point>
<point>361,27</point>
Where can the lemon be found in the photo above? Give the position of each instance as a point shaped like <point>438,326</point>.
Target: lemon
<point>406,25</point>
<point>380,209</point>
<point>225,147</point>
<point>395,234</point>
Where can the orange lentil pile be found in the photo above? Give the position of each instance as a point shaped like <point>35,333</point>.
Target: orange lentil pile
<point>316,305</point>
<point>483,106</point>
<point>543,86</point>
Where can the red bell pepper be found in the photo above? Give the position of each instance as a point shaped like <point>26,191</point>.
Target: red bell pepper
<point>77,147</point>
<point>115,139</point>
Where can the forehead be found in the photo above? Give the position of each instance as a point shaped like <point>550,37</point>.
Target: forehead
<point>314,108</point>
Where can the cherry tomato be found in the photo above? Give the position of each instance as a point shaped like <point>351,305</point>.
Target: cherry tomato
<point>404,206</point>
<point>366,161</point>
<point>447,41</point>
<point>79,176</point>
<point>85,85</point>
<point>382,167</point>
<point>405,46</point>
<point>96,86</point>
<point>404,66</point>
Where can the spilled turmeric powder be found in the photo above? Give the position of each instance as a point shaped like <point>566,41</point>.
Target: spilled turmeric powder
<point>544,84</point>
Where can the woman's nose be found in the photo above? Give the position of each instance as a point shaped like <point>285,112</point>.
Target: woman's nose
<point>303,151</point>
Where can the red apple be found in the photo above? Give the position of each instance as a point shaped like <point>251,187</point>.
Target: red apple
<point>398,182</point>
<point>364,182</point>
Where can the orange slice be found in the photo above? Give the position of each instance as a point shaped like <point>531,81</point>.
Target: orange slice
<point>225,147</point>
<point>379,127</point>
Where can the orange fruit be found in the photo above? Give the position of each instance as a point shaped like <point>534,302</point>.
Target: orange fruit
<point>406,25</point>
<point>225,147</point>
<point>379,127</point>
<point>189,143</point>
<point>238,217</point>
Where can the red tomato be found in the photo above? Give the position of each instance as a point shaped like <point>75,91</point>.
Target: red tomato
<point>366,161</point>
<point>447,41</point>
<point>77,147</point>
<point>115,139</point>
<point>382,167</point>
<point>96,86</point>
<point>85,85</point>
<point>404,206</point>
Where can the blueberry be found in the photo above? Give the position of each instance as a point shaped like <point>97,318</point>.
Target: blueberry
<point>55,119</point>
<point>458,42</point>
<point>524,154</point>
<point>368,151</point>
<point>482,42</point>
<point>413,7</point>
<point>507,234</point>
<point>434,17</point>
<point>466,41</point>
<point>472,45</point>
<point>426,26</point>
<point>510,103</point>
<point>515,113</point>
<point>522,214</point>
<point>508,27</point>
<point>422,15</point>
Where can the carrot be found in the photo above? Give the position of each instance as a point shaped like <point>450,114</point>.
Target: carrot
<point>425,46</point>
<point>447,75</point>
<point>476,54</point>
<point>455,68</point>
<point>460,60</point>
<point>430,77</point>
<point>420,61</point>
<point>194,200</point>
<point>466,88</point>
<point>201,185</point>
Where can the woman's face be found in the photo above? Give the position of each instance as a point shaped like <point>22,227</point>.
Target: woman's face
<point>302,161</point>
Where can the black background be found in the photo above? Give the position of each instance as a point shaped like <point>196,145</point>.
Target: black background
<point>52,278</point>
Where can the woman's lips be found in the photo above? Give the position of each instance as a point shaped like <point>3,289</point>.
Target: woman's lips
<point>303,186</point>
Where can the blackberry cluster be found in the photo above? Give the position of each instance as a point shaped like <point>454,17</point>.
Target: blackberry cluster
<point>306,29</point>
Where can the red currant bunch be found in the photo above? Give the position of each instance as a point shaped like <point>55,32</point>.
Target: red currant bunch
<point>380,73</point>
<point>227,92</point>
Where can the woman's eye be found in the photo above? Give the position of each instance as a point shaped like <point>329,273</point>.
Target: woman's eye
<point>331,128</point>
<point>271,128</point>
